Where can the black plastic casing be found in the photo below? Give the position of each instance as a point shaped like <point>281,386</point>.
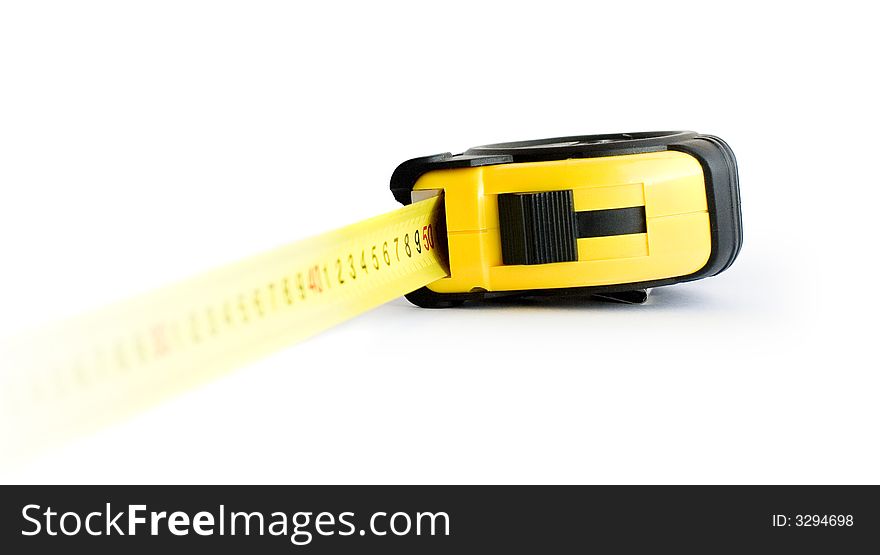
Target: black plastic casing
<point>715,157</point>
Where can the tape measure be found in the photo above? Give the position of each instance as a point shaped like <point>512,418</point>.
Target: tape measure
<point>608,215</point>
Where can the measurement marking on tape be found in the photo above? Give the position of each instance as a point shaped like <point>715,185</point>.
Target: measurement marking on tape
<point>103,366</point>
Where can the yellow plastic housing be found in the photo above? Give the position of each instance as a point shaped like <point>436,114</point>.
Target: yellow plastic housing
<point>669,184</point>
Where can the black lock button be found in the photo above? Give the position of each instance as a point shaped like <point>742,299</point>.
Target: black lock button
<point>538,228</point>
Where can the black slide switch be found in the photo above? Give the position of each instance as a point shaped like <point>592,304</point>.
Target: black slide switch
<point>538,228</point>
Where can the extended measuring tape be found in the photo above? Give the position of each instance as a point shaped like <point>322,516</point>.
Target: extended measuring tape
<point>608,215</point>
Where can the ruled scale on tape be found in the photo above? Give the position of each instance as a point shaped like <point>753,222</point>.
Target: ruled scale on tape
<point>98,368</point>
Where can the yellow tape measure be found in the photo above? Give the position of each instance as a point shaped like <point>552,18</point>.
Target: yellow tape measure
<point>94,369</point>
<point>609,215</point>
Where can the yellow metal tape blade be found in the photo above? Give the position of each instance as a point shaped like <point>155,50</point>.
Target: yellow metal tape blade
<point>100,367</point>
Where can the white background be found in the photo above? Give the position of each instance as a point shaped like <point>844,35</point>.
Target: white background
<point>142,142</point>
